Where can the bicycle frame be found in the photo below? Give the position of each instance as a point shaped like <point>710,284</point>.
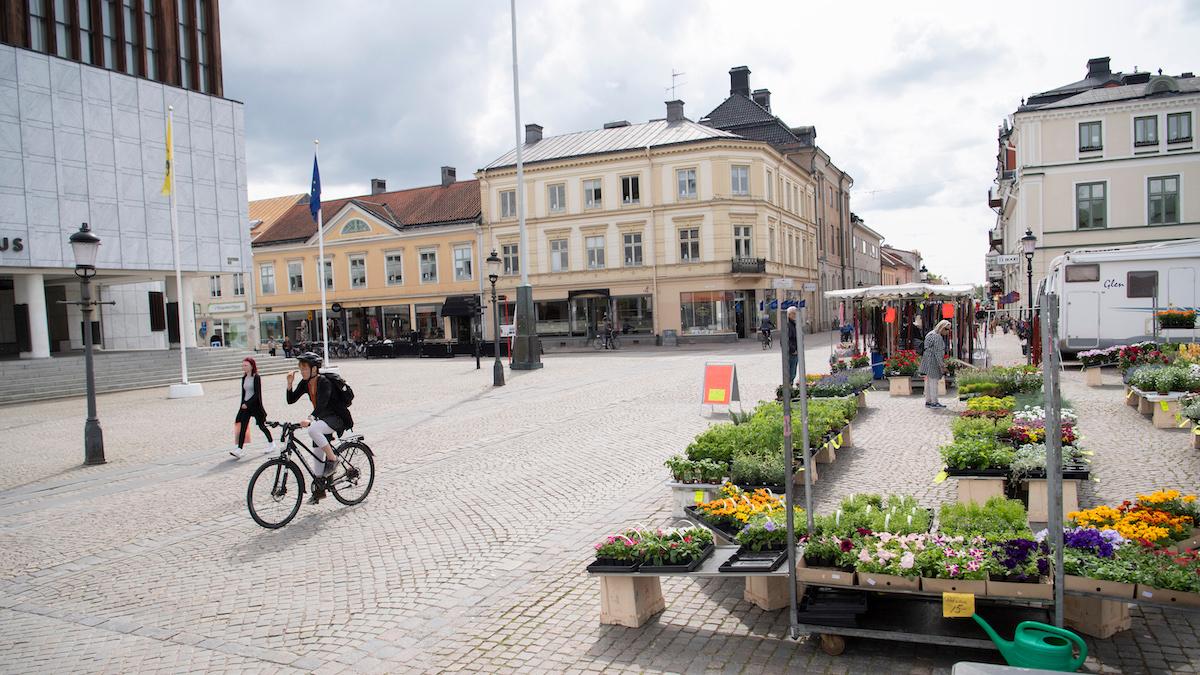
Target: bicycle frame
<point>293,444</point>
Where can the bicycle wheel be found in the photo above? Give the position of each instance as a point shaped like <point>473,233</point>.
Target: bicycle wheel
<point>598,343</point>
<point>356,473</point>
<point>616,342</point>
<point>274,493</point>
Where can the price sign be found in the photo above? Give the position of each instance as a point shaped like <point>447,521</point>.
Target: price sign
<point>699,496</point>
<point>958,605</point>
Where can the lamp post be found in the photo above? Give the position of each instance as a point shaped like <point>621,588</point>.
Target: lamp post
<point>493,264</point>
<point>85,246</point>
<point>1028,246</point>
<point>924,273</point>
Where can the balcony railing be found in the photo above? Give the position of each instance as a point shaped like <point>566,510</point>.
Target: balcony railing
<point>749,266</point>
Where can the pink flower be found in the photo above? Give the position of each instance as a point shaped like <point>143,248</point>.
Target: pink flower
<point>949,552</point>
<point>885,537</point>
<point>907,560</point>
<point>864,556</point>
<point>598,545</point>
<point>973,566</point>
<point>952,569</point>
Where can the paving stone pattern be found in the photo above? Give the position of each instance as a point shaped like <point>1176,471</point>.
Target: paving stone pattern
<point>469,554</point>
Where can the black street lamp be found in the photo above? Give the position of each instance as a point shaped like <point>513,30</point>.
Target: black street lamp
<point>924,273</point>
<point>493,263</point>
<point>1028,246</point>
<point>85,246</point>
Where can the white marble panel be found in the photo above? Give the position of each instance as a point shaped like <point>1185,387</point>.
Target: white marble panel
<point>206,224</point>
<point>42,210</point>
<point>33,70</point>
<point>100,151</point>
<point>222,114</point>
<point>126,124</point>
<point>202,140</point>
<point>104,217</point>
<point>227,200</point>
<point>129,187</point>
<point>134,250</point>
<point>177,98</point>
<point>152,184</point>
<point>226,172</point>
<point>183,163</point>
<point>64,78</point>
<point>12,173</point>
<point>223,145</point>
<point>8,63</point>
<point>45,248</point>
<point>69,145</point>
<point>72,180</point>
<point>187,224</point>
<point>210,254</point>
<point>12,207</point>
<point>41,176</point>
<point>132,218</point>
<point>150,97</point>
<point>68,112</point>
<point>125,92</point>
<point>35,107</point>
<point>160,253</point>
<point>229,228</point>
<point>154,131</point>
<point>102,182</point>
<point>72,212</point>
<point>97,118</point>
<point>111,251</point>
<point>182,134</point>
<point>129,156</point>
<point>37,141</point>
<point>205,195</point>
<point>9,103</point>
<point>200,109</point>
<point>158,221</point>
<point>183,193</point>
<point>96,85</point>
<point>202,168</point>
<point>187,252</point>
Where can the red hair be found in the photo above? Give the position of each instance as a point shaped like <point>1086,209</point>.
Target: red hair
<point>253,365</point>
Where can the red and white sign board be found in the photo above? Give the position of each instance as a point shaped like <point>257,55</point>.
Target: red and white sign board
<point>720,384</point>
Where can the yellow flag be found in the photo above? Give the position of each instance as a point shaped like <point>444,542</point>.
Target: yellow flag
<point>166,188</point>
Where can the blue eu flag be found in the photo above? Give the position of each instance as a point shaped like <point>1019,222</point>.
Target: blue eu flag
<point>314,197</point>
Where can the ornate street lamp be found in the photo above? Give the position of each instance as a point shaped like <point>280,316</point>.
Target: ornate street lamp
<point>86,245</point>
<point>1028,246</point>
<point>924,273</point>
<point>493,265</point>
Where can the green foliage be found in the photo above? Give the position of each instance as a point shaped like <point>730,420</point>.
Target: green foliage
<point>974,427</point>
<point>999,519</point>
<point>717,443</point>
<point>991,403</point>
<point>1031,458</point>
<point>988,388</point>
<point>1144,378</point>
<point>976,454</point>
<point>1037,399</point>
<point>768,531</point>
<point>999,380</point>
<point>758,468</point>
<point>684,470</point>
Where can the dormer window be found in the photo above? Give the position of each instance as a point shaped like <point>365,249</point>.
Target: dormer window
<point>355,226</point>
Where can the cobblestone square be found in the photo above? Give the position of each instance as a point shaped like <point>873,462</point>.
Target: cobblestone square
<point>469,554</point>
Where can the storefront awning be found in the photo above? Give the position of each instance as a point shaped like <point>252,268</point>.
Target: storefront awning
<point>459,305</point>
<point>588,293</point>
<point>904,292</point>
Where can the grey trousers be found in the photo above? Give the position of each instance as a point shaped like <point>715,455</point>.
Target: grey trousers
<point>931,389</point>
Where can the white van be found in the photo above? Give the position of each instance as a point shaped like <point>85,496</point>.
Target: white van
<point>1108,296</point>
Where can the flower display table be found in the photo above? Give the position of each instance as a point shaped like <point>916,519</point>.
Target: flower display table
<point>684,495</point>
<point>1163,409</point>
<point>979,486</point>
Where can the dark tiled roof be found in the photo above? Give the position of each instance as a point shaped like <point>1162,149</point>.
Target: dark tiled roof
<point>741,115</point>
<point>416,207</point>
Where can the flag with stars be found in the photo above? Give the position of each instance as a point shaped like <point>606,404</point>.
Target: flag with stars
<point>314,197</point>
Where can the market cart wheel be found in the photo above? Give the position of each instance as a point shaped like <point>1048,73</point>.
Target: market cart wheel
<point>833,645</point>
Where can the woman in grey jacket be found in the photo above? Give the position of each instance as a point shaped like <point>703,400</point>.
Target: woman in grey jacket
<point>933,361</point>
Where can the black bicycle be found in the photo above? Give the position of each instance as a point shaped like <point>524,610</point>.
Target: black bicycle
<point>764,336</point>
<point>277,487</point>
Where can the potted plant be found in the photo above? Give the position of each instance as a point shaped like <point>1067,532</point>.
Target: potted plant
<point>674,550</point>
<point>1091,563</point>
<point>979,466</point>
<point>1177,318</point>
<point>860,360</point>
<point>889,561</point>
<point>1167,577</point>
<point>694,481</point>
<point>954,565</point>
<point>616,553</point>
<point>1018,568</point>
<point>827,559</point>
<point>900,368</point>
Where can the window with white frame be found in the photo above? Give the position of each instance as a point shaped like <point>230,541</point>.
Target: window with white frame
<point>630,190</point>
<point>462,263</point>
<point>1091,206</point>
<point>393,267</point>
<point>595,252</point>
<point>508,203</point>
<point>355,225</point>
<point>266,279</point>
<point>1145,130</point>
<point>795,199</point>
<point>1090,137</point>
<point>556,197</point>
<point>633,248</point>
<point>689,244</point>
<point>685,180</point>
<point>592,194</point>
<point>358,271</point>
<point>428,260</point>
<point>328,274</point>
<point>511,254</point>
<point>1179,127</point>
<point>239,283</point>
<point>214,286</point>
<point>560,260</point>
<point>739,179</point>
<point>1163,196</point>
<point>742,241</point>
<point>295,276</point>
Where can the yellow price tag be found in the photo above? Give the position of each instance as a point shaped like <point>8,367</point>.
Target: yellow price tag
<point>1128,394</point>
<point>1164,405</point>
<point>1183,421</point>
<point>941,477</point>
<point>1196,430</point>
<point>1088,453</point>
<point>958,605</point>
<point>839,441</point>
<point>699,496</point>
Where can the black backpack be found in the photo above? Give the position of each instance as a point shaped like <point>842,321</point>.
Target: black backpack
<point>921,346</point>
<point>342,391</point>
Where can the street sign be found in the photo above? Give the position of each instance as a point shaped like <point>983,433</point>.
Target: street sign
<point>782,283</point>
<point>336,308</point>
<point>1010,259</point>
<point>810,287</point>
<point>508,330</point>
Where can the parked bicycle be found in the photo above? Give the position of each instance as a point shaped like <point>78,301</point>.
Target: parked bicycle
<point>277,488</point>
<point>612,342</point>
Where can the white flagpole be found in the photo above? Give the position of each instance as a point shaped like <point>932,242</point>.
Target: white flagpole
<point>175,242</point>
<point>321,269</point>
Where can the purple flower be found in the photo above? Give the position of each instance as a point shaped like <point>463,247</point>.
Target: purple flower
<point>769,526</point>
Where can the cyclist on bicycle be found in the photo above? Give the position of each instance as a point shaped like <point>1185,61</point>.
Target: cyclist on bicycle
<point>328,417</point>
<point>766,326</point>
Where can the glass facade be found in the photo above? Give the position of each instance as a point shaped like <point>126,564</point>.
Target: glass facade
<point>635,314</point>
<point>706,312</point>
<point>397,322</point>
<point>553,317</point>
<point>270,326</point>
<point>429,321</point>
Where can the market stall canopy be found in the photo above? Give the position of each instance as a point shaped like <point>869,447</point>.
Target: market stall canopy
<point>904,292</point>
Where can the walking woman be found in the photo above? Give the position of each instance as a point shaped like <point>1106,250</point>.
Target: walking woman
<point>251,407</point>
<point>933,361</point>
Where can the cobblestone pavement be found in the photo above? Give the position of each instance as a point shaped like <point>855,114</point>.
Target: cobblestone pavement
<point>469,554</point>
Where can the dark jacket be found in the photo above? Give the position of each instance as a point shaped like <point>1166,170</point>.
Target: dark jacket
<point>792,346</point>
<point>325,408</point>
<point>255,405</point>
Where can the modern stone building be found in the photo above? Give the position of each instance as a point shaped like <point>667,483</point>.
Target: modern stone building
<point>83,104</point>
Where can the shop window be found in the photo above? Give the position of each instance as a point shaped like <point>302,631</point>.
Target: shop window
<point>1082,273</point>
<point>1141,284</point>
<point>706,312</point>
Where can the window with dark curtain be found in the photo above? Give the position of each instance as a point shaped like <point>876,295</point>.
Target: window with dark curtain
<point>202,45</point>
<point>158,312</point>
<point>1141,284</point>
<point>109,18</point>
<point>185,45</point>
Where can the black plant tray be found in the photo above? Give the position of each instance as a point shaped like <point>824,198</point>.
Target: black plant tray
<point>977,473</point>
<point>831,607</point>
<point>607,565</point>
<point>690,567</point>
<point>724,531</point>
<point>752,561</point>
<point>1070,472</point>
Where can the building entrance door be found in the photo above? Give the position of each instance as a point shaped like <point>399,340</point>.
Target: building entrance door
<point>588,314</point>
<point>739,313</point>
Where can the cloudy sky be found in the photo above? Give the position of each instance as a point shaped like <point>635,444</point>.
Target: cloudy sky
<point>906,97</point>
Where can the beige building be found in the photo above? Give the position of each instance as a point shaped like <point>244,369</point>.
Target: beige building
<point>866,267</point>
<point>666,225</point>
<point>1106,161</point>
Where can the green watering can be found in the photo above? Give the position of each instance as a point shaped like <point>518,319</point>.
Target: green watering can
<point>1037,645</point>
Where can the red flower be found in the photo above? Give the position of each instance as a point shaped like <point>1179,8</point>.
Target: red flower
<point>864,531</point>
<point>846,545</point>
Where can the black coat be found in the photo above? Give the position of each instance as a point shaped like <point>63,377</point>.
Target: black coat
<point>255,404</point>
<point>325,409</point>
<point>792,344</point>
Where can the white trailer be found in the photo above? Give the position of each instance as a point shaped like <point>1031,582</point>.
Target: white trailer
<point>1109,296</point>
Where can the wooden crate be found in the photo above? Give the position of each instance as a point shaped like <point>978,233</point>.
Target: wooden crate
<point>1164,415</point>
<point>978,490</point>
<point>1039,499</point>
<point>1092,377</point>
<point>630,601</point>
<point>1096,617</point>
<point>767,593</point>
<point>900,386</point>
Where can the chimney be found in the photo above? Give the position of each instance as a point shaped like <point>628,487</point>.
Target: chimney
<point>533,133</point>
<point>739,81</point>
<point>763,98</point>
<point>1098,68</point>
<point>1187,75</point>
<point>674,111</point>
<point>616,125</point>
<point>378,185</point>
<point>448,176</point>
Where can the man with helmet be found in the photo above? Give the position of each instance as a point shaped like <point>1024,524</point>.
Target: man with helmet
<point>329,415</point>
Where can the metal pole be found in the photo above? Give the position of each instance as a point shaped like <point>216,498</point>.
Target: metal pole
<point>1029,302</point>
<point>93,436</point>
<point>183,328</point>
<point>476,323</point>
<point>801,376</point>
<point>497,367</point>
<point>1054,488</point>
<point>788,461</point>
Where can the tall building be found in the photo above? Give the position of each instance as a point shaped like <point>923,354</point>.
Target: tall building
<point>866,265</point>
<point>665,225</point>
<point>1108,160</point>
<point>748,114</point>
<point>86,86</point>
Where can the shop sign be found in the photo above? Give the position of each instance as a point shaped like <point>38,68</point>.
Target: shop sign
<point>219,307</point>
<point>720,384</point>
<point>16,244</point>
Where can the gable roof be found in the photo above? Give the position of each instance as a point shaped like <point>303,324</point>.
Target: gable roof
<point>741,115</point>
<point>1111,94</point>
<point>415,207</point>
<point>616,139</point>
<point>264,212</point>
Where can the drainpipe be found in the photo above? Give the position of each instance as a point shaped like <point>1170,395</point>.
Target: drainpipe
<point>654,241</point>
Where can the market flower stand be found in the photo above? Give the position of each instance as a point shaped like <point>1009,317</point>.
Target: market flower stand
<point>900,386</point>
<point>1039,500</point>
<point>1165,409</point>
